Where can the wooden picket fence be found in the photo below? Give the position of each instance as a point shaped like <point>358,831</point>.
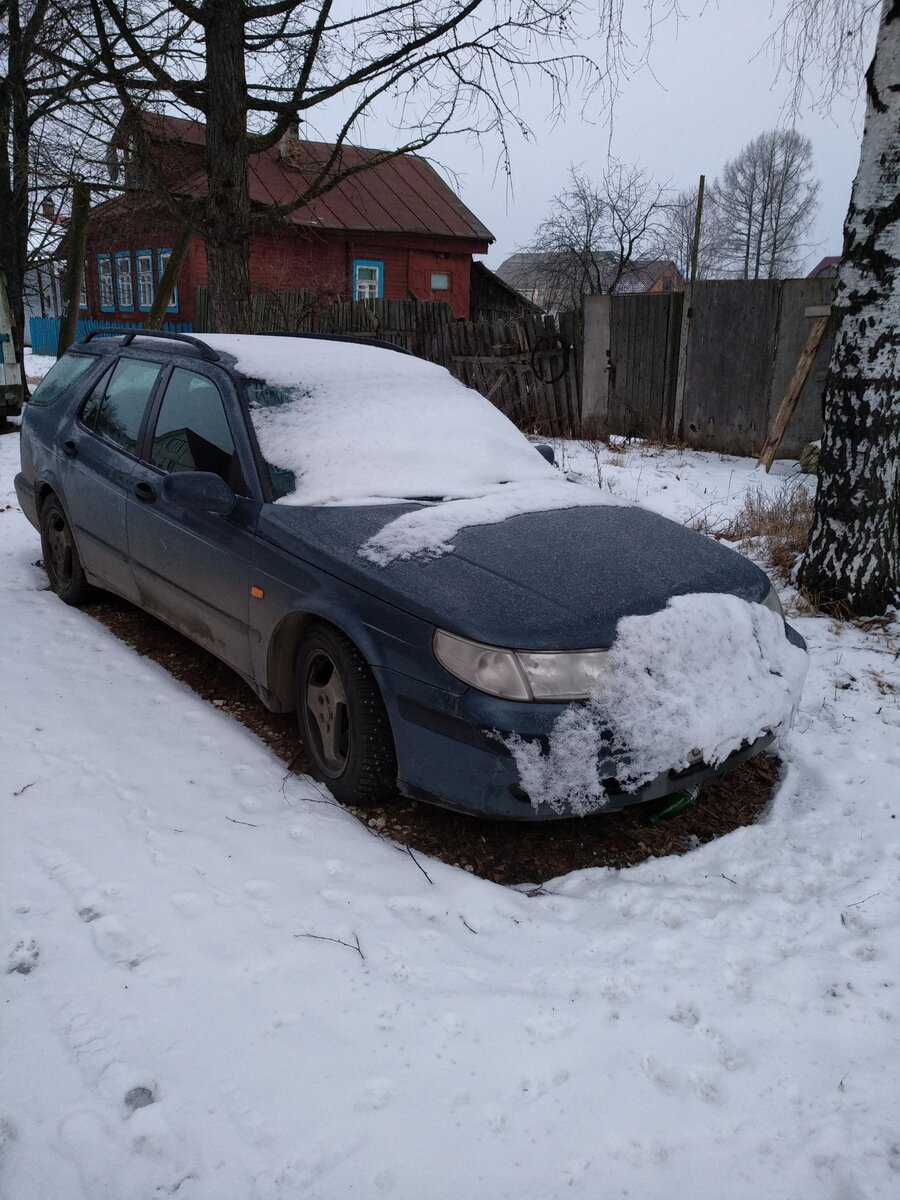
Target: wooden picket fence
<point>530,368</point>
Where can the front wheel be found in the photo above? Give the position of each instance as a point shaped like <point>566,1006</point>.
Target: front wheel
<point>61,559</point>
<point>342,718</point>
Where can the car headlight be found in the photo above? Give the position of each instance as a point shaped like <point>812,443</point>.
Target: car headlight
<point>772,601</point>
<point>521,674</point>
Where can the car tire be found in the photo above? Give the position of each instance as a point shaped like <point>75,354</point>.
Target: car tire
<point>62,561</point>
<point>342,718</point>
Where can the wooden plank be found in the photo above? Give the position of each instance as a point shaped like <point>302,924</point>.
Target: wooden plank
<point>792,395</point>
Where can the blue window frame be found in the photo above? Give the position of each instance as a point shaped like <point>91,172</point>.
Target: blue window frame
<point>105,277</point>
<point>368,279</point>
<point>162,261</point>
<point>124,281</point>
<point>145,288</point>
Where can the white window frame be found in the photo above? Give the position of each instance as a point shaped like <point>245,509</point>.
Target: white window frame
<point>124,281</point>
<point>145,288</point>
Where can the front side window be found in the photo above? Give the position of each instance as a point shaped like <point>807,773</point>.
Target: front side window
<point>440,281</point>
<point>368,280</point>
<point>124,285</point>
<point>58,378</point>
<point>105,276</point>
<point>115,408</point>
<point>192,431</point>
<point>144,260</point>
<point>163,257</point>
<point>82,299</point>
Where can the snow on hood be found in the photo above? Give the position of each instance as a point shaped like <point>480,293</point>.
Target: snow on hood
<point>708,672</point>
<point>427,531</point>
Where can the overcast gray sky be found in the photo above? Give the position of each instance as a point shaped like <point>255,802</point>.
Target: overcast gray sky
<point>710,88</point>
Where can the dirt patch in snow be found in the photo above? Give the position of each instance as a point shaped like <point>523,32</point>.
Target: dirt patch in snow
<point>505,852</point>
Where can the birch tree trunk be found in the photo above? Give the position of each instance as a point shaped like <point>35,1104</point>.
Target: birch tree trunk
<point>853,556</point>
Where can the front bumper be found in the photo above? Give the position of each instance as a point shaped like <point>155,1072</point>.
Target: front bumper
<point>448,755</point>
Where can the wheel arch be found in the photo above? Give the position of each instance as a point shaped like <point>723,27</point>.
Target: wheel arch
<point>281,655</point>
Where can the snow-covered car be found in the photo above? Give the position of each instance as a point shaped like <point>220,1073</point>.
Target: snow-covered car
<point>372,544</point>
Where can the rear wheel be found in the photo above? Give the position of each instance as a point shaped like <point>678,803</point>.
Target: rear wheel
<point>61,559</point>
<point>342,718</point>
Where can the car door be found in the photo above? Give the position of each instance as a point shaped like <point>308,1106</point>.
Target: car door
<point>96,459</point>
<point>192,567</point>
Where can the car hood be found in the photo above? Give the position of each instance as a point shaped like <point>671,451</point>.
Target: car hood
<point>547,580</point>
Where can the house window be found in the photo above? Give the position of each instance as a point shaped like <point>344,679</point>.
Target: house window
<point>667,283</point>
<point>82,299</point>
<point>124,284</point>
<point>144,260</point>
<point>368,280</point>
<point>440,281</point>
<point>105,275</point>
<point>162,261</point>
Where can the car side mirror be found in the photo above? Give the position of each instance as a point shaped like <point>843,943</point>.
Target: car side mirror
<point>199,490</point>
<point>546,451</point>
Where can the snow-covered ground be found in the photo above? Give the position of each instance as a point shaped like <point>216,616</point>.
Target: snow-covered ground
<point>311,1017</point>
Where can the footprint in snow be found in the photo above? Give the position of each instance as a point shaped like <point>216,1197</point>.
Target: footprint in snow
<point>23,957</point>
<point>376,1093</point>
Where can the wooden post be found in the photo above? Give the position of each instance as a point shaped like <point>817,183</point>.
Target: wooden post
<point>684,344</point>
<point>792,395</point>
<point>695,244</point>
<point>76,241</point>
<point>595,370</point>
<point>170,275</point>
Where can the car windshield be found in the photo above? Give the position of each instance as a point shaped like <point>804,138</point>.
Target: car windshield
<point>343,423</point>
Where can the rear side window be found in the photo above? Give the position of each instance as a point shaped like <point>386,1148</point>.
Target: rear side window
<point>115,408</point>
<point>192,431</point>
<point>59,377</point>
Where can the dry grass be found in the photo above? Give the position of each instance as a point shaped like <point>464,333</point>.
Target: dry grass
<point>774,525</point>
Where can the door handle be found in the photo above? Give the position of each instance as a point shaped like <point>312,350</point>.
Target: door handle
<point>144,491</point>
<point>70,449</point>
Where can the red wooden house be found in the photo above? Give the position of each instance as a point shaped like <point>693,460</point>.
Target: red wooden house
<point>395,230</point>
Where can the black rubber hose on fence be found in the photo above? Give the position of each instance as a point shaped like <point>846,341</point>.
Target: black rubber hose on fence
<point>550,343</point>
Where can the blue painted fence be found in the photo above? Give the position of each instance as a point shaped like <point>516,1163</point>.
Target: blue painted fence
<point>45,330</point>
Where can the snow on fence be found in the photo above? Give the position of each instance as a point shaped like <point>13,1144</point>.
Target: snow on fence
<point>45,330</point>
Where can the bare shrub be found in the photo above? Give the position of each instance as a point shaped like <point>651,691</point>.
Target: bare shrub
<point>774,525</point>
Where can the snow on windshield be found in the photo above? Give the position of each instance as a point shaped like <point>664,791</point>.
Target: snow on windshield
<point>707,673</point>
<point>360,424</point>
<point>344,423</point>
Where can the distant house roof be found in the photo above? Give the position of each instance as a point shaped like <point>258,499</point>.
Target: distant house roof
<point>402,195</point>
<point>538,274</point>
<point>826,269</point>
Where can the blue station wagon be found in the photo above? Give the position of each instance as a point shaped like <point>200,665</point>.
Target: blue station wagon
<point>350,530</point>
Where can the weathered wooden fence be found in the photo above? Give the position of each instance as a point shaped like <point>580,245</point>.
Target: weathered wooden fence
<point>709,367</point>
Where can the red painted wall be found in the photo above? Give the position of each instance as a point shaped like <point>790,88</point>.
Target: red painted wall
<point>285,258</point>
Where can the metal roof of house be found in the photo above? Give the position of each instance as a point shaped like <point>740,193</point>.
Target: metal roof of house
<point>402,195</point>
<point>827,268</point>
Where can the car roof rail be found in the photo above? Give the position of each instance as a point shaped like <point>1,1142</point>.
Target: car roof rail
<point>381,343</point>
<point>128,336</point>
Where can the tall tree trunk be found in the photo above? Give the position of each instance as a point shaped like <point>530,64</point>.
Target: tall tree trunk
<point>15,136</point>
<point>853,556</point>
<point>76,242</point>
<point>227,224</point>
